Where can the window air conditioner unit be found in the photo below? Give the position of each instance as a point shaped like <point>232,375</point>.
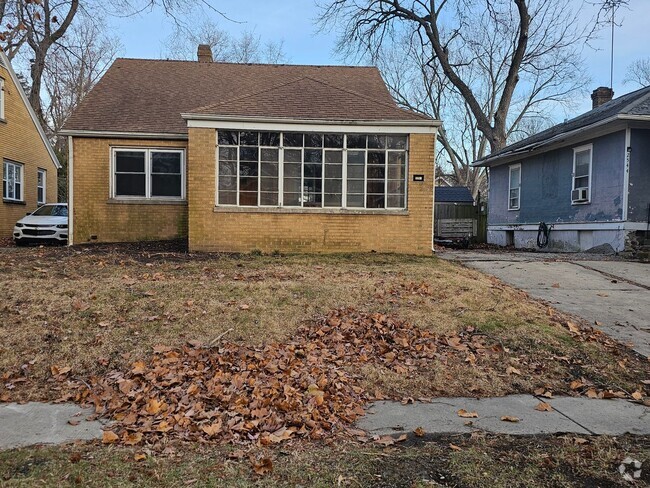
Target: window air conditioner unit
<point>580,195</point>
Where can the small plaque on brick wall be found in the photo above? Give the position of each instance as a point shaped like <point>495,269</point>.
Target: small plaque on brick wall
<point>418,177</point>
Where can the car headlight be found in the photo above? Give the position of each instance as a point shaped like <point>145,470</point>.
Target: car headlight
<point>62,226</point>
<point>20,225</point>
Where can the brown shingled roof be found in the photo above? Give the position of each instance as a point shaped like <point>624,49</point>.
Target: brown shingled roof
<point>137,95</point>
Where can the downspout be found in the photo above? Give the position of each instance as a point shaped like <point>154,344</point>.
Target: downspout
<point>626,172</point>
<point>433,194</point>
<point>70,191</point>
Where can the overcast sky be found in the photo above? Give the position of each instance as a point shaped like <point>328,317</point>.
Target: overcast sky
<point>144,36</point>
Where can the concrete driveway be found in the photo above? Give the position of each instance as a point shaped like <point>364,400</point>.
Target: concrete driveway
<point>613,292</point>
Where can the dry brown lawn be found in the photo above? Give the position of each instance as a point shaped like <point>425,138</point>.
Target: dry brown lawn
<point>101,308</point>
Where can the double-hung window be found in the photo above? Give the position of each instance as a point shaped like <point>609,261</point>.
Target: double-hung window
<point>581,190</point>
<point>514,190</point>
<point>311,170</point>
<point>41,182</point>
<point>12,181</point>
<point>148,173</point>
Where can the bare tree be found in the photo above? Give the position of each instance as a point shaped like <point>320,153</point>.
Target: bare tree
<point>503,58</point>
<point>638,73</point>
<point>550,73</point>
<point>247,48</point>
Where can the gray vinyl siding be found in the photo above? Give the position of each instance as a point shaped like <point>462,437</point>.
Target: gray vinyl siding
<point>639,193</point>
<point>546,183</point>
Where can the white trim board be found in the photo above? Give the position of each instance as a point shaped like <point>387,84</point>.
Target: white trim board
<point>359,127</point>
<point>70,191</point>
<point>560,226</point>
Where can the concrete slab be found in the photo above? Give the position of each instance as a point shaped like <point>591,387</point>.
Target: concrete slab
<point>606,417</point>
<point>612,293</point>
<point>44,423</point>
<point>441,417</point>
<point>570,415</point>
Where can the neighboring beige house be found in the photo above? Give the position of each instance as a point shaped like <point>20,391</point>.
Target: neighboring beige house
<point>29,165</point>
<point>250,156</point>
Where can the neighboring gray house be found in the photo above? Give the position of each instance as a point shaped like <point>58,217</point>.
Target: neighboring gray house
<point>588,178</point>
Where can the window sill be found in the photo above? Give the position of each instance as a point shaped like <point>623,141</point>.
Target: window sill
<point>3,120</point>
<point>14,202</point>
<point>137,201</point>
<point>580,203</point>
<point>327,211</point>
<point>514,209</point>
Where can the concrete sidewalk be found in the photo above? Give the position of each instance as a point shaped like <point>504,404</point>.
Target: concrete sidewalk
<point>45,423</point>
<point>614,293</point>
<point>569,415</point>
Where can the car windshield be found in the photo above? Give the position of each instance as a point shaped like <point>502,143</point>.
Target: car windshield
<point>52,211</point>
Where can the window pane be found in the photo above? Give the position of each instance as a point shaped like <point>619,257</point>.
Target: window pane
<point>356,172</point>
<point>40,197</point>
<point>313,140</point>
<point>248,184</point>
<point>356,157</point>
<point>376,172</point>
<point>169,163</point>
<point>227,198</point>
<point>249,138</point>
<point>333,170</point>
<point>165,185</point>
<point>333,186</point>
<point>397,158</point>
<point>313,170</point>
<point>292,185</point>
<point>396,186</point>
<point>270,139</point>
<point>375,157</point>
<point>333,140</point>
<point>228,153</point>
<point>293,170</point>
<point>228,183</point>
<point>375,186</point>
<point>292,139</point>
<point>355,201</point>
<point>397,142</point>
<point>270,155</point>
<point>129,162</point>
<point>248,154</point>
<point>356,141</point>
<point>355,186</point>
<point>291,199</point>
<point>377,142</point>
<point>313,156</point>
<point>333,200</point>
<point>515,177</point>
<point>375,201</point>
<point>228,138</point>
<point>268,198</point>
<point>227,168</point>
<point>395,201</point>
<point>248,169</point>
<point>293,155</point>
<point>270,169</point>
<point>130,185</point>
<point>396,172</point>
<point>334,157</point>
<point>248,199</point>
<point>582,182</point>
<point>269,185</point>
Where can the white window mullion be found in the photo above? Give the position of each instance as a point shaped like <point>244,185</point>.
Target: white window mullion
<point>281,172</point>
<point>344,173</point>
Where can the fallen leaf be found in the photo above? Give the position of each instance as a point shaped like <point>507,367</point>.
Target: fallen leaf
<point>511,370</point>
<point>454,447</point>
<point>140,456</point>
<point>74,423</point>
<point>59,370</point>
<point>419,432</point>
<point>109,437</point>
<point>573,328</point>
<point>465,414</point>
<point>544,407</point>
<point>262,466</point>
<point>507,418</point>
<point>212,429</point>
<point>555,285</point>
<point>132,439</point>
<point>637,395</point>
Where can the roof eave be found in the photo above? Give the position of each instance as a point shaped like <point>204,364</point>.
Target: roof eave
<point>505,157</point>
<point>238,122</point>
<point>122,135</point>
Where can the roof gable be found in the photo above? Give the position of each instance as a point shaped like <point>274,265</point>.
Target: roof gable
<point>149,96</point>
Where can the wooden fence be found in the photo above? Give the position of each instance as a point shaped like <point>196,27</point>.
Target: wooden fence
<point>460,219</point>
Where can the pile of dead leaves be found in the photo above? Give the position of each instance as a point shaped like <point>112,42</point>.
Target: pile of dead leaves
<point>242,394</point>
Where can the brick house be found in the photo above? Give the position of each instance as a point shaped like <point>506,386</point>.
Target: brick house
<point>249,156</point>
<point>29,165</point>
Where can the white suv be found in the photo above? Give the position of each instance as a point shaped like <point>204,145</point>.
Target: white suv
<point>47,223</point>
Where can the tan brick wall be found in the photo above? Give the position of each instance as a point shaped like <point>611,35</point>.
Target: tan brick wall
<point>307,232</point>
<point>21,142</point>
<point>95,214</point>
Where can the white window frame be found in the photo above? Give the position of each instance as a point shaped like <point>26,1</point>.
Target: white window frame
<point>2,99</point>
<point>17,198</point>
<point>42,172</point>
<point>510,170</point>
<point>147,171</point>
<point>344,177</point>
<point>576,150</point>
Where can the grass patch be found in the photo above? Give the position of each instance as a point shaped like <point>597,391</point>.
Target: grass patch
<point>101,308</point>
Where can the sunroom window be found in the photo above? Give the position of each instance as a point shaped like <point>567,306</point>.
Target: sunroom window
<point>148,173</point>
<point>311,170</point>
